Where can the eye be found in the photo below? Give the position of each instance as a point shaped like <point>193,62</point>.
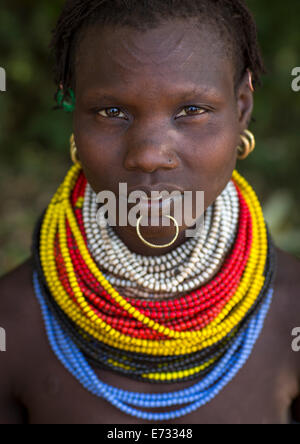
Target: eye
<point>191,111</point>
<point>112,112</point>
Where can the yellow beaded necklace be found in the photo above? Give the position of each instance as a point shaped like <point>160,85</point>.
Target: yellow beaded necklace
<point>60,210</point>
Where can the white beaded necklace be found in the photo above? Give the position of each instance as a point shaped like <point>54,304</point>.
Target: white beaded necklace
<point>184,269</point>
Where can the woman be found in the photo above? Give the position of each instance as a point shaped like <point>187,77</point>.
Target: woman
<point>141,324</point>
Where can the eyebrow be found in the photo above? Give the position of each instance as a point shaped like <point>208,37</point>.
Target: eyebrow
<point>212,92</point>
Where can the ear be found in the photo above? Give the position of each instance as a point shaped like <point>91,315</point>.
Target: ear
<point>245,102</point>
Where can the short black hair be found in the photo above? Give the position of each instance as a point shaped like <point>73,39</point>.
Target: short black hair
<point>235,23</point>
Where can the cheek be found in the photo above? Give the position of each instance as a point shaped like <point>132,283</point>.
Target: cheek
<point>222,152</point>
<point>213,159</point>
<point>99,154</point>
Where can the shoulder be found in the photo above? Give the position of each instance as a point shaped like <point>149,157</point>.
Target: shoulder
<point>287,288</point>
<point>286,306</point>
<point>287,281</point>
<point>17,282</point>
<point>19,317</point>
<point>288,268</point>
<point>16,296</point>
<point>20,324</point>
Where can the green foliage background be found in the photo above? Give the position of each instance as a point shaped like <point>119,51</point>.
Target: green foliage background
<point>34,138</point>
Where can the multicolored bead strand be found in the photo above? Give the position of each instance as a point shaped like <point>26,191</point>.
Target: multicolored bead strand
<point>195,396</point>
<point>85,317</point>
<point>200,325</point>
<point>133,369</point>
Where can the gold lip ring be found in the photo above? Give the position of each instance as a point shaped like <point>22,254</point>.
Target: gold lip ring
<point>153,245</point>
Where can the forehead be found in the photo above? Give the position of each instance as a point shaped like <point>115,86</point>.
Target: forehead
<point>175,53</point>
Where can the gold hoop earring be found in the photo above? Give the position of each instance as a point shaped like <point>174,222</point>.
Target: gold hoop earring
<point>248,147</point>
<point>153,245</point>
<point>73,151</point>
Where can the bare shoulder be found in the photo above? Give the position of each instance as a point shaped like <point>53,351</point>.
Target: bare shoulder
<point>288,277</point>
<point>289,266</point>
<point>19,311</point>
<point>287,288</point>
<point>21,323</point>
<point>286,312</point>
<point>17,302</point>
<point>14,286</point>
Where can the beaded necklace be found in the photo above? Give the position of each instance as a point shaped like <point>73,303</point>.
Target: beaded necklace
<point>185,269</point>
<point>205,332</point>
<point>195,397</point>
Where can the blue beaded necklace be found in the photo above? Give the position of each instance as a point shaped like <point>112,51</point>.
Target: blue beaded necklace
<point>196,396</point>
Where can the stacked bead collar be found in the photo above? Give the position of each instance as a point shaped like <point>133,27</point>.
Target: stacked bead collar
<point>148,338</point>
<point>184,269</point>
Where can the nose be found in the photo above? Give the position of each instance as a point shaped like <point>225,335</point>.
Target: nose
<point>151,152</point>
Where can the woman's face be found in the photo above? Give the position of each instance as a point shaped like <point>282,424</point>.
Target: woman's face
<point>158,108</point>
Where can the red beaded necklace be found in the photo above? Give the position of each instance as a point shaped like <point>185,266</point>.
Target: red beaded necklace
<point>190,312</point>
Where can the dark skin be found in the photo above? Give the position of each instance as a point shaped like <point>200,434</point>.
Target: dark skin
<point>153,140</point>
<point>146,72</point>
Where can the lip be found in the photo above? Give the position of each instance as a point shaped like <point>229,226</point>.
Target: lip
<point>148,195</point>
<point>154,203</point>
<point>149,189</point>
<point>149,202</point>
<point>158,204</point>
